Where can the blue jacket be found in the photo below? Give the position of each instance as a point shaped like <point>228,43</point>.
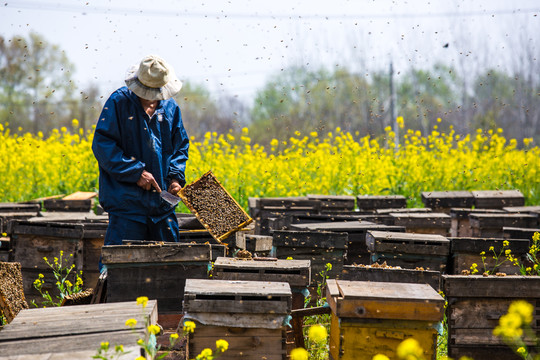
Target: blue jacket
<point>126,142</point>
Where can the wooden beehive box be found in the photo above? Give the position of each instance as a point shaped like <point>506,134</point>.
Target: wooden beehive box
<point>408,250</point>
<point>491,225</point>
<point>158,271</point>
<point>334,203</point>
<point>12,298</point>
<point>265,210</point>
<point>519,233</point>
<point>374,202</point>
<point>357,251</point>
<point>75,332</point>
<point>533,209</point>
<point>31,242</point>
<point>257,245</point>
<point>443,201</point>
<point>461,225</point>
<point>424,223</point>
<point>370,318</point>
<point>214,207</point>
<point>475,304</point>
<point>391,274</point>
<point>20,207</point>
<point>497,199</point>
<point>249,315</point>
<point>297,273</point>
<point>320,247</point>
<point>466,250</point>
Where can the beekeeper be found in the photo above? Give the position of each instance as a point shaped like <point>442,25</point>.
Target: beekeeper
<point>141,147</point>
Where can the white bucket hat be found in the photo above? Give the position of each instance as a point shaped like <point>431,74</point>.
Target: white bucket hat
<point>153,79</point>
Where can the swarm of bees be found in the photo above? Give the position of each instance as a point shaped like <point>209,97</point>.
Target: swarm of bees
<point>213,206</point>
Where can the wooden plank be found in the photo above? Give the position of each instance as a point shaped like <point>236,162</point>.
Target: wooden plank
<point>498,221</point>
<point>236,288</point>
<point>519,233</point>
<point>52,229</point>
<point>74,323</point>
<point>380,274</point>
<point>372,202</point>
<point>523,209</point>
<point>29,250</point>
<point>447,199</point>
<point>334,202</point>
<point>160,253</point>
<point>67,205</point>
<point>70,347</point>
<point>238,305</point>
<point>407,243</point>
<point>472,245</point>
<point>19,207</point>
<point>317,239</point>
<point>374,300</point>
<point>422,220</point>
<point>296,273</point>
<point>81,195</point>
<point>497,199</point>
<point>491,287</point>
<point>244,343</point>
<point>403,210</point>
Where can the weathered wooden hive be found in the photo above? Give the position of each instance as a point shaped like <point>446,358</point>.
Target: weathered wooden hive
<point>357,251</point>
<point>320,247</point>
<point>475,304</point>
<point>443,201</point>
<point>396,274</point>
<point>410,251</point>
<point>491,225</point>
<point>370,318</point>
<point>249,315</point>
<point>466,251</point>
<point>461,225</point>
<point>374,202</point>
<point>158,271</point>
<point>423,223</point>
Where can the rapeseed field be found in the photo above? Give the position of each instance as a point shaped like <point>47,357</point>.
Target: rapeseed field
<point>338,163</point>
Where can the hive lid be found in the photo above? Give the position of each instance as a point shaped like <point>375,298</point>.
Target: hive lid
<point>383,300</point>
<point>231,296</point>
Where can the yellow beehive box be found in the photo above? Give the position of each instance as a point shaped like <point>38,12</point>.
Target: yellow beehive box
<point>370,318</point>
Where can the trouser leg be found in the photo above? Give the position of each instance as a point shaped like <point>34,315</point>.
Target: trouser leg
<point>165,230</point>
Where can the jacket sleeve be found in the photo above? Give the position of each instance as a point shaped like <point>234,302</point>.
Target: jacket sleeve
<point>107,150</point>
<point>180,141</point>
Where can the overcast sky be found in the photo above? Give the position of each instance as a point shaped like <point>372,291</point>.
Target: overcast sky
<point>234,46</point>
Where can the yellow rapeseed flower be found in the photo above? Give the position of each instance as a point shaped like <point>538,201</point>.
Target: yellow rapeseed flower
<point>205,354</point>
<point>222,345</point>
<point>317,333</point>
<point>153,329</point>
<point>524,309</point>
<point>189,326</point>
<point>142,300</point>
<point>131,322</point>
<point>409,349</point>
<point>299,354</point>
<point>380,357</point>
<point>140,358</point>
<point>105,345</point>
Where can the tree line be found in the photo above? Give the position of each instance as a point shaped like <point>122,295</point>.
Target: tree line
<point>37,93</point>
